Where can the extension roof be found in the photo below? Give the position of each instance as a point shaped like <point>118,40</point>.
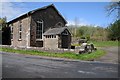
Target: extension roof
<point>55,31</point>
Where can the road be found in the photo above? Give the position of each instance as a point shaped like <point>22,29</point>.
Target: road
<point>28,66</point>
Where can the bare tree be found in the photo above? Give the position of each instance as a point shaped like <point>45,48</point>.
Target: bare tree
<point>76,20</point>
<point>113,7</point>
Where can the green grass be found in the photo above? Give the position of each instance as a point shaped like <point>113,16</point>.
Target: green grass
<point>105,43</point>
<point>75,44</point>
<point>68,55</point>
<point>102,43</point>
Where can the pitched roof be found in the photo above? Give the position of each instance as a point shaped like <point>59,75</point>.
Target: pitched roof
<point>55,31</point>
<point>33,11</point>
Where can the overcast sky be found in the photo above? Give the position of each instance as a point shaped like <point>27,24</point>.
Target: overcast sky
<point>86,13</point>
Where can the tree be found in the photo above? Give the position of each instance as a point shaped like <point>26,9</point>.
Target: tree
<point>2,25</point>
<point>114,31</point>
<point>90,32</point>
<point>3,22</point>
<point>114,28</point>
<point>4,32</point>
<point>113,7</point>
<point>76,20</point>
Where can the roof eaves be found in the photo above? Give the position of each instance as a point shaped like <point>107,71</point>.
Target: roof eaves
<point>57,31</point>
<point>29,13</point>
<point>41,8</point>
<point>33,11</point>
<point>59,13</point>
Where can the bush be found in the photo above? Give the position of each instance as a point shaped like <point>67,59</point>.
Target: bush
<point>88,38</point>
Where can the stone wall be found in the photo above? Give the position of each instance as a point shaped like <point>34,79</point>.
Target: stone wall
<point>51,43</point>
<point>25,36</point>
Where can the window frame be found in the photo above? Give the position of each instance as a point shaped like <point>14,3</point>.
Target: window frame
<point>11,35</point>
<point>20,31</point>
<point>38,31</point>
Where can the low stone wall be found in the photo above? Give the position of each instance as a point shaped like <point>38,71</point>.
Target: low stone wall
<point>59,50</point>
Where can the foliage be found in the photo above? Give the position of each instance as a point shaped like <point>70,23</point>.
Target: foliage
<point>114,31</point>
<point>3,22</point>
<point>90,32</point>
<point>2,25</point>
<point>105,43</point>
<point>102,43</point>
<point>68,55</point>
<point>113,28</point>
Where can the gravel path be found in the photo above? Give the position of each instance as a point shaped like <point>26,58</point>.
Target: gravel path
<point>111,56</point>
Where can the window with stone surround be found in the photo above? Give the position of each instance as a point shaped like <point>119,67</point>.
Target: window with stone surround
<point>39,29</point>
<point>20,30</point>
<point>11,26</point>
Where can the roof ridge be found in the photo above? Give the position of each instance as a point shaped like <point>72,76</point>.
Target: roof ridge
<point>44,7</point>
<point>32,11</point>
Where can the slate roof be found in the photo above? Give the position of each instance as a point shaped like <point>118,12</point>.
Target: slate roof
<point>55,31</point>
<point>33,11</point>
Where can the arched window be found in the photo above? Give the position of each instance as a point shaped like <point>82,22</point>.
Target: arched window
<point>39,29</point>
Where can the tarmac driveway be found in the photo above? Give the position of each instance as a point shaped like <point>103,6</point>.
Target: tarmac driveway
<point>111,56</point>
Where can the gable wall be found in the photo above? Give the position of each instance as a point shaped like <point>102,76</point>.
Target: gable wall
<point>49,16</point>
<point>25,40</point>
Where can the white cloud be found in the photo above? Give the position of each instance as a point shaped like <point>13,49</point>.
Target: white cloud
<point>10,11</point>
<point>80,22</point>
<point>73,23</point>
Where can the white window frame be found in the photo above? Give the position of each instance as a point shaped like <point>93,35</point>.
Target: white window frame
<point>11,27</point>
<point>20,30</point>
<point>39,22</point>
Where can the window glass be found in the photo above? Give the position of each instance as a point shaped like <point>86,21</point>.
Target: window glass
<point>20,29</point>
<point>54,36</point>
<point>11,26</point>
<point>39,29</point>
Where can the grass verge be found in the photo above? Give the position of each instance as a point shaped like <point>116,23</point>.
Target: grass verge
<point>68,55</point>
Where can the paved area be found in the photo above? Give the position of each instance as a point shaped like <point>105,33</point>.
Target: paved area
<point>111,56</point>
<point>0,66</point>
<point>28,66</point>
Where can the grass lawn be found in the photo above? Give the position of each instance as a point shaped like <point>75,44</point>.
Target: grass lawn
<point>68,55</point>
<point>103,43</point>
